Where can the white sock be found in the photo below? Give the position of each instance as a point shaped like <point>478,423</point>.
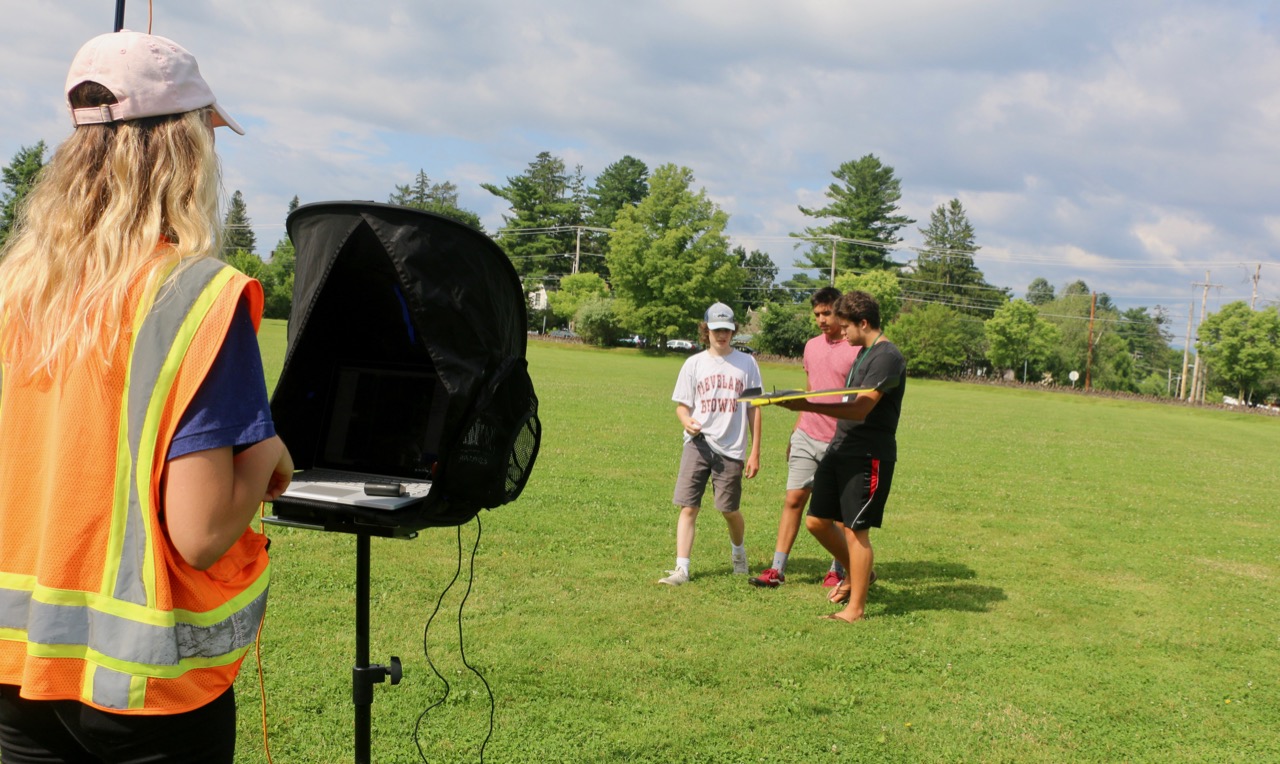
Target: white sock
<point>780,562</point>
<point>739,550</point>
<point>682,563</point>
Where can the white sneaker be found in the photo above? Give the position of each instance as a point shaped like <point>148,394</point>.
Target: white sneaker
<point>675,577</point>
<point>740,564</point>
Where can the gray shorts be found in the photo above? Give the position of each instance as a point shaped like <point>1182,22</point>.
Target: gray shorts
<point>698,464</point>
<point>806,452</point>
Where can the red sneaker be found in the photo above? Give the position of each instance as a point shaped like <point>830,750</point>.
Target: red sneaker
<point>832,580</point>
<point>770,578</point>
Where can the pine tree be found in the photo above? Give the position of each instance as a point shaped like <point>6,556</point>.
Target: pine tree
<point>440,198</point>
<point>18,176</point>
<point>622,184</point>
<point>863,207</point>
<point>944,271</point>
<point>238,233</point>
<point>538,233</point>
<point>760,275</point>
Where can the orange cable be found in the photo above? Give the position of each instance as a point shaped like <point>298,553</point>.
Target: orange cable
<point>262,684</point>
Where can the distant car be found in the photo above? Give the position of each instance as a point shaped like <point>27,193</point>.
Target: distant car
<point>634,341</point>
<point>562,333</point>
<point>685,345</point>
<point>744,348</point>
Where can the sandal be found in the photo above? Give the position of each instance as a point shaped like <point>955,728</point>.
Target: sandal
<point>840,594</point>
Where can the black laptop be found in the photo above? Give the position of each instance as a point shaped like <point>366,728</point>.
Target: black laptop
<point>379,439</point>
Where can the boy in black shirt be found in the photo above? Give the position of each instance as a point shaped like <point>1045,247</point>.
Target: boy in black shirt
<point>853,480</point>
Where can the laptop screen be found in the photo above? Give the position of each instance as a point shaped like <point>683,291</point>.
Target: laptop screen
<point>383,420</point>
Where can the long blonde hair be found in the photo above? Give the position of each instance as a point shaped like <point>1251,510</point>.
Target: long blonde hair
<point>115,203</point>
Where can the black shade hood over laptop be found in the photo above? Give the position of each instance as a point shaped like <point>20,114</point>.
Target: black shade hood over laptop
<point>377,284</point>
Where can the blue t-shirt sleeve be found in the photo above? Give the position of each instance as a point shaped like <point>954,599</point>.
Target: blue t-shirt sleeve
<point>231,406</point>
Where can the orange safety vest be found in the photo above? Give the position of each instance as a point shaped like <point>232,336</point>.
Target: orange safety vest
<point>95,603</point>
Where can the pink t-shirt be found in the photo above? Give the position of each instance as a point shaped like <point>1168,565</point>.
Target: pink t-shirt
<point>827,365</point>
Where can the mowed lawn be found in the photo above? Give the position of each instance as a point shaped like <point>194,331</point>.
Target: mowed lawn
<point>1062,579</point>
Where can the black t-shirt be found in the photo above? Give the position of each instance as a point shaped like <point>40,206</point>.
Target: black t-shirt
<point>883,368</point>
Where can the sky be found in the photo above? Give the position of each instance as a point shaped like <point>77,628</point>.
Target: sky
<point>1131,144</point>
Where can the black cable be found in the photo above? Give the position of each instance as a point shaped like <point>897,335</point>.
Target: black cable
<point>461,645</point>
<point>427,652</point>
<point>471,574</point>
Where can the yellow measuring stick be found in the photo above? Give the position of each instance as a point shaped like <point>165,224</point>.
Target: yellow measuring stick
<point>777,396</point>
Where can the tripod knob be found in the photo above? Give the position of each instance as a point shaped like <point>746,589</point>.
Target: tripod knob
<point>395,671</point>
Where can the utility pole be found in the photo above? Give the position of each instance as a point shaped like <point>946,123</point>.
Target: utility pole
<point>577,250</point>
<point>1198,374</point>
<point>833,261</point>
<point>1186,352</point>
<point>1256,276</point>
<point>1088,364</point>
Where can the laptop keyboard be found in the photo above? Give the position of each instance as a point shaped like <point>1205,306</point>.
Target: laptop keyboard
<point>415,488</point>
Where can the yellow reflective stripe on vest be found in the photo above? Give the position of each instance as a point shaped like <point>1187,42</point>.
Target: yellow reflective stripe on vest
<point>61,623</point>
<point>157,347</point>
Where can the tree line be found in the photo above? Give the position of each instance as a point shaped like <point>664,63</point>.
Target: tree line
<point>641,253</point>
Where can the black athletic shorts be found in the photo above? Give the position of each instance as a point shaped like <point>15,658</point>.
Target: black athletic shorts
<point>851,490</point>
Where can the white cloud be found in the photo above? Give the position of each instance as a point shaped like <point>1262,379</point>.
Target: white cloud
<point>1173,237</point>
<point>1078,135</point>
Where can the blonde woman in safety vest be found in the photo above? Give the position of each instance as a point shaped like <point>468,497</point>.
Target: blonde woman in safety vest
<point>136,441</point>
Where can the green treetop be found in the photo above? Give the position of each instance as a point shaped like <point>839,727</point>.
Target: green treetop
<point>862,205</point>
<point>669,259</point>
<point>18,177</point>
<point>945,272</point>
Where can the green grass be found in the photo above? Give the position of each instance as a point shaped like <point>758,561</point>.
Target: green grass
<point>1062,578</point>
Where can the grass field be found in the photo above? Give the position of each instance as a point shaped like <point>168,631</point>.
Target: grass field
<point>1062,579</point>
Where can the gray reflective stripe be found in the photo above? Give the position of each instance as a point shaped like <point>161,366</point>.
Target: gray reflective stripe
<point>150,349</point>
<point>14,605</point>
<point>133,641</point>
<point>111,688</point>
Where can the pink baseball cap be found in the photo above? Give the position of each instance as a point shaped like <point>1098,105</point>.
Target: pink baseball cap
<point>150,76</point>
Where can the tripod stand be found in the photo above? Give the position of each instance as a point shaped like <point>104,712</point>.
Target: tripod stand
<point>363,675</point>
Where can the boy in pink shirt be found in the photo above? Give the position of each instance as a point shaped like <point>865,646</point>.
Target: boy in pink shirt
<point>827,361</point>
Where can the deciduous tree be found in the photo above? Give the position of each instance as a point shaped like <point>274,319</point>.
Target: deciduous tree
<point>576,290</point>
<point>669,259</point>
<point>882,285</point>
<point>277,277</point>
<point>1039,291</point>
<point>1017,335</point>
<point>1109,366</point>
<point>247,263</point>
<point>937,340</point>
<point>597,322</point>
<point>785,327</point>
<point>1241,346</point>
